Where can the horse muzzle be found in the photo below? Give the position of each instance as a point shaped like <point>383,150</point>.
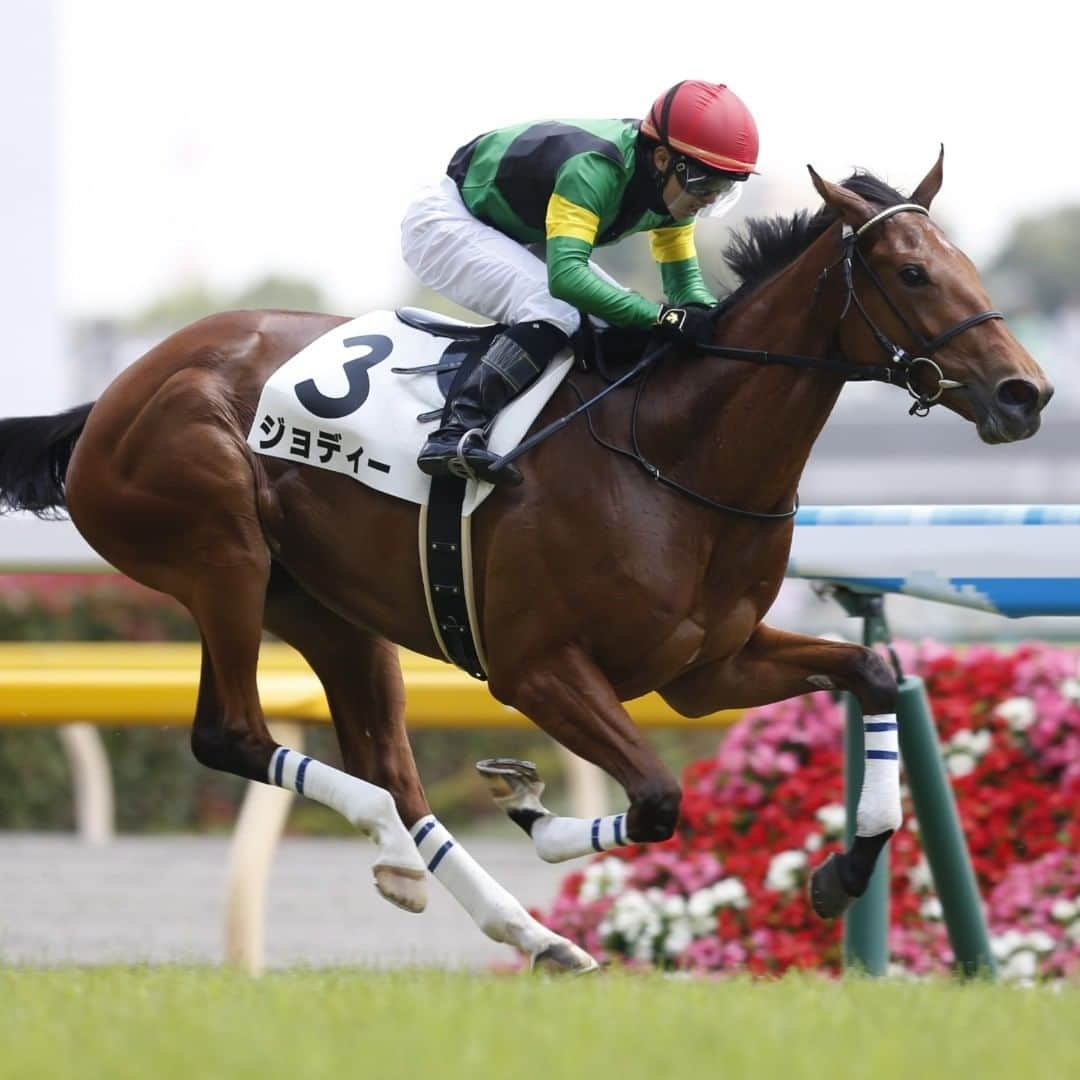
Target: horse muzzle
<point>1013,410</point>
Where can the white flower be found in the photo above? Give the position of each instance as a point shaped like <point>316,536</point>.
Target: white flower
<point>961,739</point>
<point>1064,910</point>
<point>930,908</point>
<point>1021,965</point>
<point>1072,931</point>
<point>1070,688</point>
<point>730,893</point>
<point>960,764</point>
<point>602,878</point>
<point>702,925</point>
<point>1017,712</point>
<point>1040,941</point>
<point>784,870</point>
<point>674,907</point>
<point>921,878</point>
<point>632,917</point>
<point>702,904</point>
<point>678,940</point>
<point>813,842</point>
<point>832,818</point>
<point>1004,945</point>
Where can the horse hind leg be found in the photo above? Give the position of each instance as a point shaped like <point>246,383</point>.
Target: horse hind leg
<point>230,732</point>
<point>168,495</point>
<point>362,678</point>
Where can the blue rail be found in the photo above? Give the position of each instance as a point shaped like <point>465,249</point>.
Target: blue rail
<point>1011,560</point>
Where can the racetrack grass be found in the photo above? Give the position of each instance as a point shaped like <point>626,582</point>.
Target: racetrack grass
<point>195,1023</point>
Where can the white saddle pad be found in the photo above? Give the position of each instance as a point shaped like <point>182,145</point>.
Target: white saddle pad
<point>338,405</point>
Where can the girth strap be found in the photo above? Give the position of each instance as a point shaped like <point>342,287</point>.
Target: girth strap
<point>443,558</point>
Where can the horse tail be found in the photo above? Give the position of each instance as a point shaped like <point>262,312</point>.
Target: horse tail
<point>34,456</point>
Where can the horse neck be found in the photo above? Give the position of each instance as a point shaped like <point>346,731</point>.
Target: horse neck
<point>745,431</point>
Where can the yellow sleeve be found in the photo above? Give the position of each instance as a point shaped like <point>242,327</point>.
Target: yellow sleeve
<point>567,219</point>
<point>673,244</point>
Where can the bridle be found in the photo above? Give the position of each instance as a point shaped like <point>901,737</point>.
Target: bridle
<point>901,365</point>
<point>900,361</point>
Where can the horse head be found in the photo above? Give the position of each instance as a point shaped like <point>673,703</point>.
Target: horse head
<point>915,295</point>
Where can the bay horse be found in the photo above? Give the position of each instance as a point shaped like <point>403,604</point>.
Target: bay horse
<point>595,583</point>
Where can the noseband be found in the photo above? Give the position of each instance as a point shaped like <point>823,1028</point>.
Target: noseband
<point>900,361</point>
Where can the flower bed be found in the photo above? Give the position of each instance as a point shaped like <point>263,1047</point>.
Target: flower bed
<point>727,892</point>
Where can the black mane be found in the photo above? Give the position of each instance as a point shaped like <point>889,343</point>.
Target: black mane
<point>762,246</point>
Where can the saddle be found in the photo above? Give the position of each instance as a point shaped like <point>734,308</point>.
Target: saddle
<point>607,351</point>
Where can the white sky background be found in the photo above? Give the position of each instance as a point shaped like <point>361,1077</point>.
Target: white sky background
<point>227,139</point>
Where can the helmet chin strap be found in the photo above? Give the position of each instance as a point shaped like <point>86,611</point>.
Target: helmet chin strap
<point>660,123</point>
<point>662,176</point>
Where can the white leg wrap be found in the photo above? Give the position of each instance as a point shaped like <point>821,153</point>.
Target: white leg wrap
<point>370,808</point>
<point>561,838</point>
<point>490,906</point>
<point>879,800</point>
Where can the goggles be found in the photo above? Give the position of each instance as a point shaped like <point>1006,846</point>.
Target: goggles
<point>696,179</point>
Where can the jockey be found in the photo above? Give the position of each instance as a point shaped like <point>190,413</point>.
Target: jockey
<point>565,187</point>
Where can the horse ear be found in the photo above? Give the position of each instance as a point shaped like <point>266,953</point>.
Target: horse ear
<point>849,207</point>
<point>931,182</point>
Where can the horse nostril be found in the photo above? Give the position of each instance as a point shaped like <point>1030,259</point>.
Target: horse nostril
<point>1018,395</point>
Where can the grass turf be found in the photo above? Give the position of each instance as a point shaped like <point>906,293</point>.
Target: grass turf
<point>180,1022</point>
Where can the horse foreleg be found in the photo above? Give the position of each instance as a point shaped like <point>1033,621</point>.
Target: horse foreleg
<point>516,787</point>
<point>571,699</point>
<point>362,678</point>
<point>774,665</point>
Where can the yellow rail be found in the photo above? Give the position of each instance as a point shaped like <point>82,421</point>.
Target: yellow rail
<point>154,684</point>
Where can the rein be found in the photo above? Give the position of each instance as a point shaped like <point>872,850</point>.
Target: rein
<point>898,370</point>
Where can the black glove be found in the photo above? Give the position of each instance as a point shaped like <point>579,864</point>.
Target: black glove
<point>693,324</point>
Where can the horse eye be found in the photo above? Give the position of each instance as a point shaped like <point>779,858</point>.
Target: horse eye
<point>913,275</point>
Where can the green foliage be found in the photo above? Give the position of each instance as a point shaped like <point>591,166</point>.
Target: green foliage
<point>1038,266</point>
<point>158,782</point>
<point>88,607</point>
<point>38,792</point>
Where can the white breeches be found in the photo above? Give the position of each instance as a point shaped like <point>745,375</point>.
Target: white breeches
<point>477,266</point>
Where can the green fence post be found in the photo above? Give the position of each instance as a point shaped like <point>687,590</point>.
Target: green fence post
<point>940,832</point>
<point>866,922</point>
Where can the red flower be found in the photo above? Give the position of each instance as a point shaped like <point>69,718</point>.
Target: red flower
<point>759,794</point>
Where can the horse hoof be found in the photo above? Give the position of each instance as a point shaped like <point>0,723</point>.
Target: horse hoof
<point>563,958</point>
<point>828,897</point>
<point>404,888</point>
<point>514,784</point>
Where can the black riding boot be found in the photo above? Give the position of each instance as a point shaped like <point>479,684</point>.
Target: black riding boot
<point>513,362</point>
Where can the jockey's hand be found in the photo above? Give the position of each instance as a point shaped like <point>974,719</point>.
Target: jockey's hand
<point>693,324</point>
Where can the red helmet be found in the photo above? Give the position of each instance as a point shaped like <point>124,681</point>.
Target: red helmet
<point>706,122</point>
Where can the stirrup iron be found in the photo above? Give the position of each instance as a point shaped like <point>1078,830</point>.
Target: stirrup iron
<point>459,465</point>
